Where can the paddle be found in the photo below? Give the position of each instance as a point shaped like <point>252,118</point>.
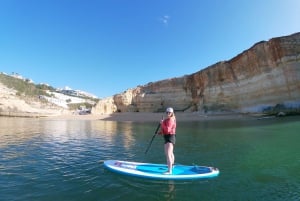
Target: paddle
<point>156,131</point>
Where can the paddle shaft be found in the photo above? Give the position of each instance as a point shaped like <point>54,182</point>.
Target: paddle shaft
<point>156,131</point>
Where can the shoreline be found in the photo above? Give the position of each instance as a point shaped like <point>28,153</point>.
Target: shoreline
<point>151,117</point>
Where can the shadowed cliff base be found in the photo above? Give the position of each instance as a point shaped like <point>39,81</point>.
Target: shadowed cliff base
<point>180,116</point>
<point>154,117</point>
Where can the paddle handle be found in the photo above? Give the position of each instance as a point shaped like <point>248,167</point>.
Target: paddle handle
<point>158,126</point>
<point>156,131</point>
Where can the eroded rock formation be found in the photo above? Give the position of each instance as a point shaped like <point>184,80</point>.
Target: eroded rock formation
<point>265,76</point>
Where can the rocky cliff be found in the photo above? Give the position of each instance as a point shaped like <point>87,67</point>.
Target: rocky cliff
<point>16,106</point>
<point>264,78</point>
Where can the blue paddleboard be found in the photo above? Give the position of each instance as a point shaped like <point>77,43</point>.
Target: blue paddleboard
<point>156,171</point>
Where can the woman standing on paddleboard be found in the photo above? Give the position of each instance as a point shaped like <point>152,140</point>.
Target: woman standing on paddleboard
<point>168,130</point>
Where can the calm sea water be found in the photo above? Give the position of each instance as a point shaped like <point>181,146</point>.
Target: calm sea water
<point>63,160</point>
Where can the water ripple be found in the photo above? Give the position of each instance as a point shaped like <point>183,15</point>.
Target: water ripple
<point>63,160</point>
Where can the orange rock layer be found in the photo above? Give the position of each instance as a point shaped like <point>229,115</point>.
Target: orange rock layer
<point>264,77</point>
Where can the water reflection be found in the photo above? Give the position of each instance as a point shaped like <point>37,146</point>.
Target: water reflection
<point>18,130</point>
<point>154,189</point>
<point>121,132</point>
<point>42,159</point>
<point>170,195</point>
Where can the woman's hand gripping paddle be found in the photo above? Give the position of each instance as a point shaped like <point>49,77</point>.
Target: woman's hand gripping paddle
<point>156,131</point>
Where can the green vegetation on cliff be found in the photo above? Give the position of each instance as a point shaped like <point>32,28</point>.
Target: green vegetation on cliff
<point>24,87</point>
<point>27,90</point>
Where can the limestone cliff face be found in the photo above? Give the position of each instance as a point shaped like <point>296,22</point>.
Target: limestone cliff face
<point>265,76</point>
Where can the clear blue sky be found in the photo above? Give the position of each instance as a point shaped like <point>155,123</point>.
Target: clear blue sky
<point>108,46</point>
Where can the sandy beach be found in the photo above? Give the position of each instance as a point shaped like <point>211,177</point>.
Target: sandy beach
<point>149,117</point>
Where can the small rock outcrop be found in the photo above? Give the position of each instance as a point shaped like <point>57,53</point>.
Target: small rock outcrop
<point>258,80</point>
